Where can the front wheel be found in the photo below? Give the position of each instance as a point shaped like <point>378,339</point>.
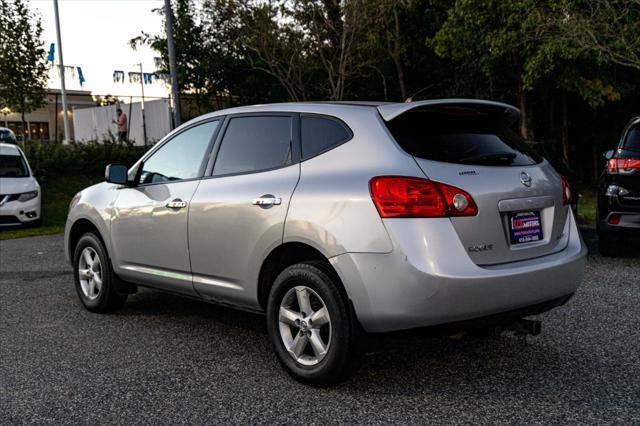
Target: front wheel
<point>94,277</point>
<point>310,325</point>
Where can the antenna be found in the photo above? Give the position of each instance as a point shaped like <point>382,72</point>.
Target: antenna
<point>410,98</point>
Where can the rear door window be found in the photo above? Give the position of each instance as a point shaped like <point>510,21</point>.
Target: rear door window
<point>461,138</point>
<point>255,143</point>
<point>320,134</point>
<point>632,140</point>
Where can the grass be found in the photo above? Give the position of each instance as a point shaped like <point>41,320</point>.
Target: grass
<point>57,192</point>
<point>587,207</point>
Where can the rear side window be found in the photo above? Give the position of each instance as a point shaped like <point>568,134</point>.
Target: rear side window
<point>251,144</point>
<point>13,166</point>
<point>461,138</point>
<point>632,140</point>
<point>321,134</point>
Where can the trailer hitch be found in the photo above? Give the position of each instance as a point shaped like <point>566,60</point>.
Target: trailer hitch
<point>523,328</point>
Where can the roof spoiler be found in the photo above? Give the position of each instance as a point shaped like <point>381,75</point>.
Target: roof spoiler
<point>509,113</point>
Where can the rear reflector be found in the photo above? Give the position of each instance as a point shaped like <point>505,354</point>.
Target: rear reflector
<point>623,166</point>
<point>614,219</point>
<point>401,196</point>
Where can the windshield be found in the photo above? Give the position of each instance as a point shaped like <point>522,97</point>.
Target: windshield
<point>461,138</point>
<point>13,166</point>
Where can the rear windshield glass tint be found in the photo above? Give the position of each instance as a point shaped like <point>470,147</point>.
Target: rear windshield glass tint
<point>461,139</point>
<point>632,140</point>
<point>13,166</point>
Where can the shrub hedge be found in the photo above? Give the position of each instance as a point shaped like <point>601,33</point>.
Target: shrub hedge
<point>80,158</point>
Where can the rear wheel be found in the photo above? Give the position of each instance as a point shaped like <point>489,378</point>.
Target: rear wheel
<point>94,277</point>
<point>310,325</point>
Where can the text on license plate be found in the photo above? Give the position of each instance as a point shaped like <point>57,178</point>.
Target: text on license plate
<point>525,227</point>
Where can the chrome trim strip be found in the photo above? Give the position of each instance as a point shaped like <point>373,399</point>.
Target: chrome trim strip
<point>215,282</point>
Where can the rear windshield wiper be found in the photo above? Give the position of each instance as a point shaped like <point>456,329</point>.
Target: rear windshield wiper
<point>498,158</point>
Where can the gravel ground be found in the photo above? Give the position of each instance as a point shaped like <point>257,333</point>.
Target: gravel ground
<point>164,359</point>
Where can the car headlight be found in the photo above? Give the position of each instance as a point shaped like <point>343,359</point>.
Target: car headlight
<point>26,196</point>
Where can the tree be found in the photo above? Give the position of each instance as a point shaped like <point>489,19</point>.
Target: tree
<point>23,64</point>
<point>521,52</point>
<point>611,28</point>
<point>106,100</point>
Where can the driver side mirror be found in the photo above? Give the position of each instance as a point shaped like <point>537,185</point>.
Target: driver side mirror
<point>608,155</point>
<point>116,173</point>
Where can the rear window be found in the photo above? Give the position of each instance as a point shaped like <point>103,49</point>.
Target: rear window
<point>632,140</point>
<point>461,138</point>
<point>13,166</point>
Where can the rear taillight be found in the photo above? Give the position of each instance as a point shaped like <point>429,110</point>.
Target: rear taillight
<point>400,196</point>
<point>623,166</point>
<point>566,192</point>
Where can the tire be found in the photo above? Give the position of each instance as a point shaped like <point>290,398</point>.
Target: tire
<point>95,297</point>
<point>607,245</point>
<point>320,283</point>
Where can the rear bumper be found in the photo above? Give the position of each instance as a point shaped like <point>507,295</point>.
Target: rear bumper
<point>628,227</point>
<point>430,282</point>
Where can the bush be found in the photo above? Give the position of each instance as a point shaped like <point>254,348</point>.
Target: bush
<point>80,158</point>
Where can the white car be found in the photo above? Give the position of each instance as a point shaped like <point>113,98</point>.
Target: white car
<point>19,190</point>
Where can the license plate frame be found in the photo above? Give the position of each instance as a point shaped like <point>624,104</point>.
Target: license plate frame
<point>525,227</point>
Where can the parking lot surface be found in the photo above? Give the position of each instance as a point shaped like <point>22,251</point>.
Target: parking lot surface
<point>164,359</point>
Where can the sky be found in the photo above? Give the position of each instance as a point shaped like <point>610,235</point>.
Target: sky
<point>95,36</point>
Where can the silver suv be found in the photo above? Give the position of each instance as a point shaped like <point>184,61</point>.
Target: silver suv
<point>334,218</point>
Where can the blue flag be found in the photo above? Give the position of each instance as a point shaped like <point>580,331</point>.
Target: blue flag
<point>80,76</point>
<point>52,51</point>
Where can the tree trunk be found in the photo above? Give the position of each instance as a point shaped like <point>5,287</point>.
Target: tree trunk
<point>564,131</point>
<point>24,127</point>
<point>397,55</point>
<point>526,129</point>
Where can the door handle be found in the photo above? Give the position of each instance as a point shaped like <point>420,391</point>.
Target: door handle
<point>267,200</point>
<point>177,204</point>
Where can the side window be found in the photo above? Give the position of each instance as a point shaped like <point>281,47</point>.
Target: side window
<point>321,134</point>
<point>181,157</point>
<point>251,144</point>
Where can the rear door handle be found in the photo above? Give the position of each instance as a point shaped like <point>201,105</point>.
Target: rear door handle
<point>267,200</point>
<point>177,204</point>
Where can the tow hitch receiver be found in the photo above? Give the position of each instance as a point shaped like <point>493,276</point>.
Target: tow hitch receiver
<point>524,327</point>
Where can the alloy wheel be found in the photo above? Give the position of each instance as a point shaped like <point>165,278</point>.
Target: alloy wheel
<point>90,273</point>
<point>305,325</point>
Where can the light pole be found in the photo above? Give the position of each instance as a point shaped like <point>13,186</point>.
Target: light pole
<point>173,70</point>
<point>65,119</point>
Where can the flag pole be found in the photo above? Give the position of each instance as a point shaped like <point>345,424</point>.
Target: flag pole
<point>65,119</point>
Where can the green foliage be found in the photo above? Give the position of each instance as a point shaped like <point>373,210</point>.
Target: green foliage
<point>80,158</point>
<point>23,65</point>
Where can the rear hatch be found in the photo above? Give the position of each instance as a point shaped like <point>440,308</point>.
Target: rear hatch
<point>468,144</point>
<point>625,167</point>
